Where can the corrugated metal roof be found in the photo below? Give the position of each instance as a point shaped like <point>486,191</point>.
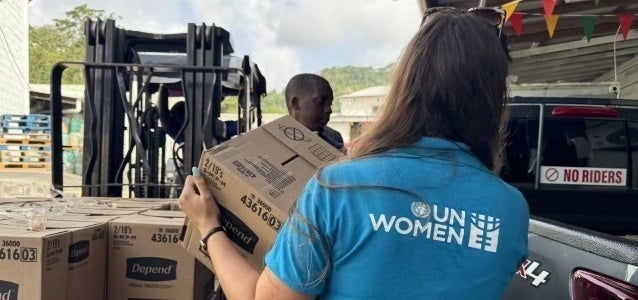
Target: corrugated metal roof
<point>567,56</point>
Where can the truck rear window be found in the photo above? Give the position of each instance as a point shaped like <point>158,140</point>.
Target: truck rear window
<point>573,150</point>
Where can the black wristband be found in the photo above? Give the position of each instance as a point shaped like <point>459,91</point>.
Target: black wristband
<point>203,243</point>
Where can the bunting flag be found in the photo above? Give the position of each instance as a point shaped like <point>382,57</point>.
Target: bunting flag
<point>551,24</point>
<point>516,19</point>
<point>509,8</point>
<point>548,6</point>
<point>625,24</point>
<point>588,23</point>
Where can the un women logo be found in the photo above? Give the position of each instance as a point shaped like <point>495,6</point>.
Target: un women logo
<point>421,209</point>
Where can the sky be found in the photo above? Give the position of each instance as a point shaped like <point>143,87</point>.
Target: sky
<point>284,37</point>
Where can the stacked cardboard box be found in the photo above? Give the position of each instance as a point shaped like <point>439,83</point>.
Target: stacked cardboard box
<point>70,251</point>
<point>33,265</point>
<point>69,259</point>
<point>146,260</point>
<point>67,262</point>
<point>87,255</point>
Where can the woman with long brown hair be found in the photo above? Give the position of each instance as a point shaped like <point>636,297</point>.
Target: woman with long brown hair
<point>417,211</point>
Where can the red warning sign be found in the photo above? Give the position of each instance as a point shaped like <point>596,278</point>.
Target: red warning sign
<point>584,176</point>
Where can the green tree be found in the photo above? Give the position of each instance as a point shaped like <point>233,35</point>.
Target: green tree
<point>61,41</point>
<point>273,103</point>
<point>348,79</point>
<point>344,80</point>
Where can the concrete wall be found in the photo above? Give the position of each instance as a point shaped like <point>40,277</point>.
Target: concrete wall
<point>14,57</point>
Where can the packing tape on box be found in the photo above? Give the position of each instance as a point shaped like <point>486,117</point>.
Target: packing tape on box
<point>33,215</point>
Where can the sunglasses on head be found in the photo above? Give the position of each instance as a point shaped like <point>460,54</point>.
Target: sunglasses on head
<point>492,15</point>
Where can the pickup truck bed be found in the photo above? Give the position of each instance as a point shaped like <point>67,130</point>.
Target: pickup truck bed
<point>557,250</point>
<point>576,162</point>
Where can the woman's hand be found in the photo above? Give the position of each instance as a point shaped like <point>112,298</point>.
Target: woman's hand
<point>198,203</point>
<point>236,276</point>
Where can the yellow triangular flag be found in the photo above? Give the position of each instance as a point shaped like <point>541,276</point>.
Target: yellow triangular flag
<point>510,8</point>
<point>551,24</point>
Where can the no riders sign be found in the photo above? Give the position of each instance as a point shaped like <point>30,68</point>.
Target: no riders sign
<point>583,176</point>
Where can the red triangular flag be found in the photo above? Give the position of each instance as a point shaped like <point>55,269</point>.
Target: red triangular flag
<point>625,21</point>
<point>548,6</point>
<point>516,19</point>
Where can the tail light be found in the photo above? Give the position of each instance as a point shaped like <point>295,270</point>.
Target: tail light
<point>597,112</point>
<point>587,285</point>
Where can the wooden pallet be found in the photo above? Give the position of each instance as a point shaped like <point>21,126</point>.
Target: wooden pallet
<point>23,147</point>
<point>38,136</point>
<point>30,154</point>
<point>16,166</point>
<point>30,117</point>
<point>27,141</point>
<point>26,125</point>
<point>24,159</point>
<point>11,132</point>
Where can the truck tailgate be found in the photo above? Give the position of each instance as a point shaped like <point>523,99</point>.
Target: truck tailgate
<point>557,250</point>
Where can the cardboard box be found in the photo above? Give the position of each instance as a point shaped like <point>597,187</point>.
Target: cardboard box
<point>146,260</point>
<point>33,215</point>
<point>33,264</point>
<point>87,255</point>
<point>85,277</point>
<point>114,206</point>
<point>83,206</point>
<point>87,262</point>
<point>255,178</point>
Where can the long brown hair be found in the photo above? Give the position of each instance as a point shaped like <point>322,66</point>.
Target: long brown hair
<point>449,83</point>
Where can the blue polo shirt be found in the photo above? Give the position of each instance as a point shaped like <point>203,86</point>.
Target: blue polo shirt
<point>428,221</point>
